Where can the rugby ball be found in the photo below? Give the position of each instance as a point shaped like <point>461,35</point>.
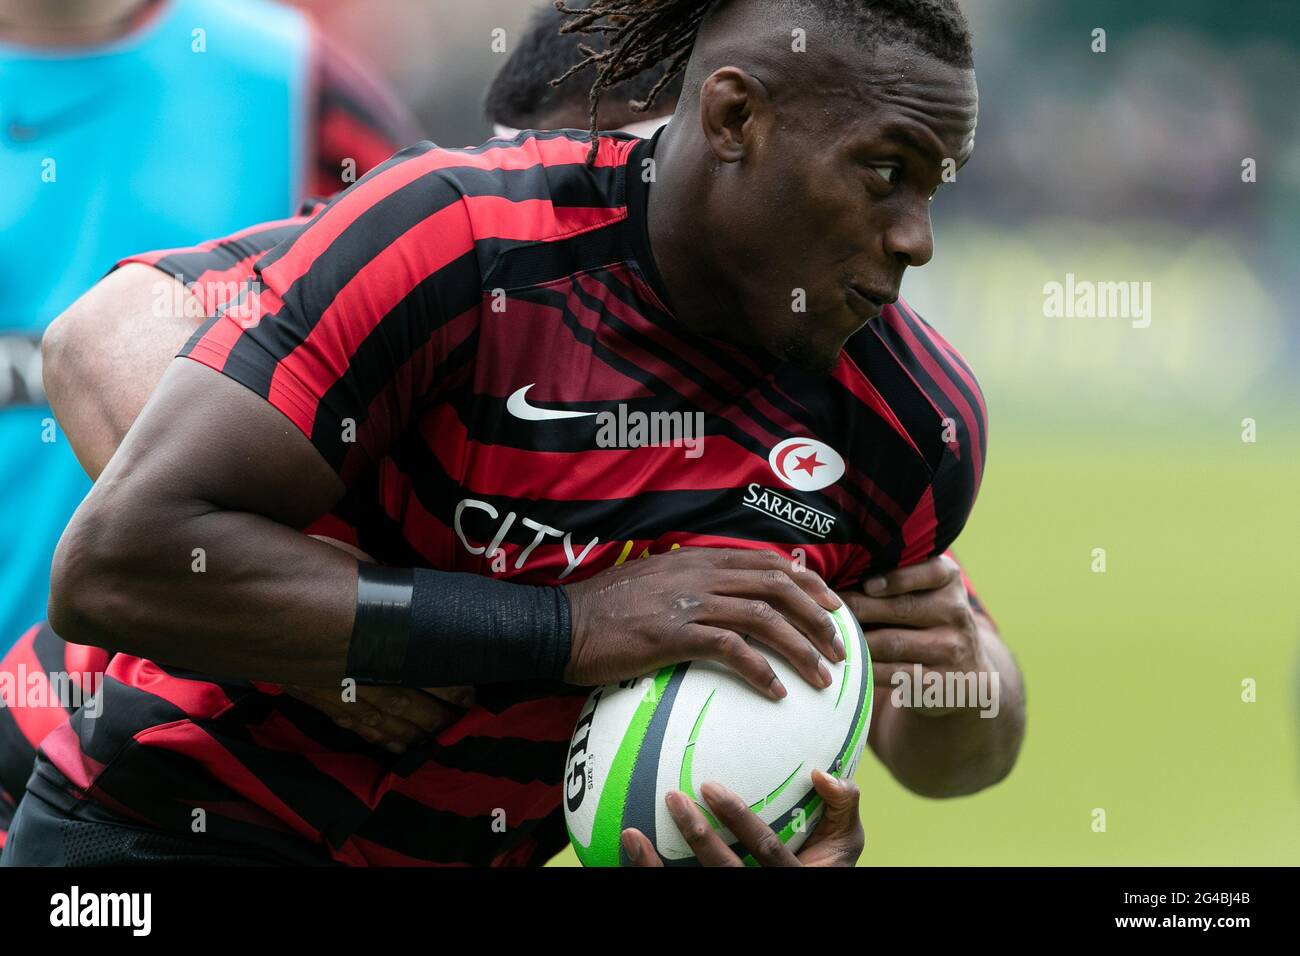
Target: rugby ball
<point>696,722</point>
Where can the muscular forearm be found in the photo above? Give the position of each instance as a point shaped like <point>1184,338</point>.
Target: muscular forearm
<point>217,573</point>
<point>106,353</point>
<point>190,551</point>
<point>223,593</point>
<point>183,573</point>
<point>960,752</point>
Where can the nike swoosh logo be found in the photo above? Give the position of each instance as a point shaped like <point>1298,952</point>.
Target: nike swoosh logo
<point>517,405</point>
<point>22,132</point>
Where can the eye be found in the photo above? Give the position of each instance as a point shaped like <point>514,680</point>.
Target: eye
<point>889,174</point>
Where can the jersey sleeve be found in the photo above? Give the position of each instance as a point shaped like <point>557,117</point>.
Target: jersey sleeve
<point>972,596</point>
<point>216,272</point>
<point>359,122</point>
<point>961,426</point>
<point>364,314</point>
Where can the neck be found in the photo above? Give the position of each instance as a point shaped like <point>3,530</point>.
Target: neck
<point>66,22</point>
<point>701,300</point>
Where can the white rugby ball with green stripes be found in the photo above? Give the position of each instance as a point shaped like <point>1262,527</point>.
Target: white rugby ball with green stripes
<point>697,722</point>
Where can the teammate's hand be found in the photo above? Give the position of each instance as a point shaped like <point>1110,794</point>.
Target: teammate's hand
<point>837,841</point>
<point>391,717</point>
<point>919,614</point>
<point>695,604</point>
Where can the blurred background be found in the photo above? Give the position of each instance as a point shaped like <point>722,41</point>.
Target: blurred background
<point>1116,166</point>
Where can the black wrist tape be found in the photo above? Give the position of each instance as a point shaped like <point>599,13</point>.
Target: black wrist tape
<point>424,628</point>
<point>381,630</point>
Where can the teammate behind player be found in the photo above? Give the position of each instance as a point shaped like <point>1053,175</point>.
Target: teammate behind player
<point>110,112</point>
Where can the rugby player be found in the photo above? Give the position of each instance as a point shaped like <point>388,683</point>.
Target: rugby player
<point>416,401</point>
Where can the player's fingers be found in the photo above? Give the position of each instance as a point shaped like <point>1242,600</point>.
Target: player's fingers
<point>842,798</point>
<point>385,730</point>
<point>758,619</point>
<point>639,849</point>
<point>702,838</point>
<point>882,672</point>
<point>357,716</point>
<point>910,609</point>
<point>935,647</point>
<point>756,836</point>
<point>793,603</point>
<point>462,697</point>
<point>703,642</point>
<point>362,717</point>
<point>413,706</point>
<point>926,576</point>
<point>744,559</point>
<point>839,833</point>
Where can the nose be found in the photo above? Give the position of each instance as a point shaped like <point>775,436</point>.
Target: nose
<point>910,238</point>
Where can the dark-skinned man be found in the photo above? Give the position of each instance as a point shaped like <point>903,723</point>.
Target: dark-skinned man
<point>372,332</point>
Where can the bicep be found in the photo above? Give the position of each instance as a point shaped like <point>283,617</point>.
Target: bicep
<point>206,442</point>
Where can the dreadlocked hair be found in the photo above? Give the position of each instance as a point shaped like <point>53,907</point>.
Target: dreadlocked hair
<point>641,34</point>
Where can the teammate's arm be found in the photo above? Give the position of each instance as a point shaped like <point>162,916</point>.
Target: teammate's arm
<point>108,350</point>
<point>103,356</point>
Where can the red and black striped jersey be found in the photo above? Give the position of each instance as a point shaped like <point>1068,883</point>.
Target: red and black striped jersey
<point>43,680</point>
<point>477,341</point>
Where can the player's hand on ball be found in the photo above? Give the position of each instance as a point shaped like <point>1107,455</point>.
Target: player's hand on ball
<point>919,614</point>
<point>391,717</point>
<point>695,604</point>
<point>838,839</point>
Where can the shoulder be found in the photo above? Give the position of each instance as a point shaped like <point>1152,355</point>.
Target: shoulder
<point>927,383</point>
<point>429,204</point>
<point>936,398</point>
<point>536,186</point>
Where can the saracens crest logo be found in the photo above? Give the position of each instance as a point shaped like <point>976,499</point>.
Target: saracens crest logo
<point>806,464</point>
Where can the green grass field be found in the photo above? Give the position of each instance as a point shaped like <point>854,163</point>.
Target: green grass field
<point>1134,676</point>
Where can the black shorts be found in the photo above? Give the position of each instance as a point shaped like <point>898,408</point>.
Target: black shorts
<point>43,835</point>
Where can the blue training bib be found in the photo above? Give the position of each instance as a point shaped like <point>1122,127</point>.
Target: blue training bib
<point>193,126</point>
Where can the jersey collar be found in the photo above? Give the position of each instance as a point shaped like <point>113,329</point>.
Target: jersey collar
<point>638,219</point>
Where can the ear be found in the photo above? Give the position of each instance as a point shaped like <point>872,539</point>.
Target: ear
<point>733,104</point>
